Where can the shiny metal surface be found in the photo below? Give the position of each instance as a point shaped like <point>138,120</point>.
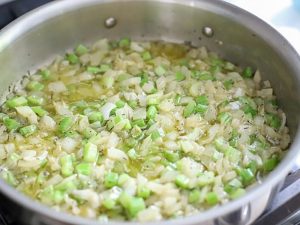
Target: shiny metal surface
<point>36,38</point>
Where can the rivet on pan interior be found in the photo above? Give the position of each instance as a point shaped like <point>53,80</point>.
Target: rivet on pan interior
<point>208,31</point>
<point>110,22</point>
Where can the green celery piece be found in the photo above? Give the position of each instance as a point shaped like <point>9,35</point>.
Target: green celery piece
<point>16,101</point>
<point>151,112</point>
<point>90,152</point>
<point>205,178</point>
<point>81,49</point>
<point>194,196</point>
<point>224,117</point>
<point>246,175</point>
<point>143,192</point>
<point>89,132</point>
<point>120,104</point>
<point>39,111</point>
<point>84,168</point>
<point>66,165</point>
<point>35,100</point>
<point>202,75</point>
<point>155,135</point>
<point>171,156</point>
<point>124,42</point>
<point>9,177</point>
<point>45,74</point>
<point>109,203</point>
<point>28,130</point>
<point>96,116</point>
<point>182,181</point>
<point>160,71</point>
<point>212,198</point>
<point>65,124</point>
<point>273,120</point>
<point>139,122</point>
<point>111,179</point>
<point>34,86</point>
<point>237,193</point>
<point>11,124</point>
<point>177,99</point>
<point>270,164</point>
<point>135,205</point>
<point>144,79</point>
<point>189,109</point>
<point>202,99</point>
<point>146,56</point>
<point>179,76</point>
<point>72,58</point>
<point>228,84</point>
<point>248,72</point>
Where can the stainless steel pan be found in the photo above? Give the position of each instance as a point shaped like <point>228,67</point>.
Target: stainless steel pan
<point>238,36</point>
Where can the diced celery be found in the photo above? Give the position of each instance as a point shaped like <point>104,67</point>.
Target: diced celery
<point>122,179</point>
<point>182,181</point>
<point>146,56</point>
<point>16,101</point>
<point>151,112</point>
<point>120,104</point>
<point>111,179</point>
<point>159,71</point>
<point>109,203</point>
<point>89,132</point>
<point>39,111</point>
<point>273,120</point>
<point>65,124</point>
<point>90,152</point>
<point>248,72</point>
<point>189,109</point>
<point>133,104</point>
<point>45,74</point>
<point>179,76</point>
<point>171,156</point>
<point>237,193</point>
<point>211,198</point>
<point>124,43</point>
<point>93,69</point>
<point>202,99</point>
<point>34,86</point>
<point>246,175</point>
<point>202,75</point>
<point>177,99</point>
<point>8,177</point>
<point>224,117</point>
<point>205,178</point>
<point>135,205</point>
<point>270,164</point>
<point>194,196</point>
<point>84,168</point>
<point>155,135</point>
<point>72,58</point>
<point>28,130</point>
<point>96,116</point>
<point>66,165</point>
<point>11,124</point>
<point>139,122</point>
<point>81,50</point>
<point>35,100</point>
<point>144,79</point>
<point>143,192</point>
<point>228,84</point>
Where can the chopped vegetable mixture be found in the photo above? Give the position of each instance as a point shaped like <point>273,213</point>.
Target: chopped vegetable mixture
<point>142,131</point>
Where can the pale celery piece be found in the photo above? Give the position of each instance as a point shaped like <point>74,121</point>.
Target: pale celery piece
<point>140,131</point>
